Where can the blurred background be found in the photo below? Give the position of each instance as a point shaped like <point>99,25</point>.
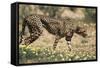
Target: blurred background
<point>41,49</point>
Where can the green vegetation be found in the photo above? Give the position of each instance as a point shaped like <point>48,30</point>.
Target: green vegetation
<point>38,54</point>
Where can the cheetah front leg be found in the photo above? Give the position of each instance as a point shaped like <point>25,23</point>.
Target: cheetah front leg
<point>69,36</point>
<point>56,42</point>
<point>69,45</point>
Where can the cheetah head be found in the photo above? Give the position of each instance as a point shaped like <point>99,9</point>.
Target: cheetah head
<point>81,31</point>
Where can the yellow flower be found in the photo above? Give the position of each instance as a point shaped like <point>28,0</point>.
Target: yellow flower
<point>33,49</point>
<point>22,46</point>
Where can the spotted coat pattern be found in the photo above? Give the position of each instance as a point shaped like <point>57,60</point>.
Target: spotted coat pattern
<point>58,27</point>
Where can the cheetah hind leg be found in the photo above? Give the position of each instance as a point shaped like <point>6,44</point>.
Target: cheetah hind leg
<point>33,36</point>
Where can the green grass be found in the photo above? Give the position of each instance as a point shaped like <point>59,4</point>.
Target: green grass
<point>47,54</point>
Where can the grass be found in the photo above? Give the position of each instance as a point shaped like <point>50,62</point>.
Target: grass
<point>41,49</point>
<point>47,54</point>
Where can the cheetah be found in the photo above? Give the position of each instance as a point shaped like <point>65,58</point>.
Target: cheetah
<point>58,27</point>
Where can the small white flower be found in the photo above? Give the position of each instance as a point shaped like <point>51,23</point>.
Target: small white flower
<point>61,55</point>
<point>24,52</point>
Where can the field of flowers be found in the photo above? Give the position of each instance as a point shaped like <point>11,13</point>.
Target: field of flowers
<point>41,50</point>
